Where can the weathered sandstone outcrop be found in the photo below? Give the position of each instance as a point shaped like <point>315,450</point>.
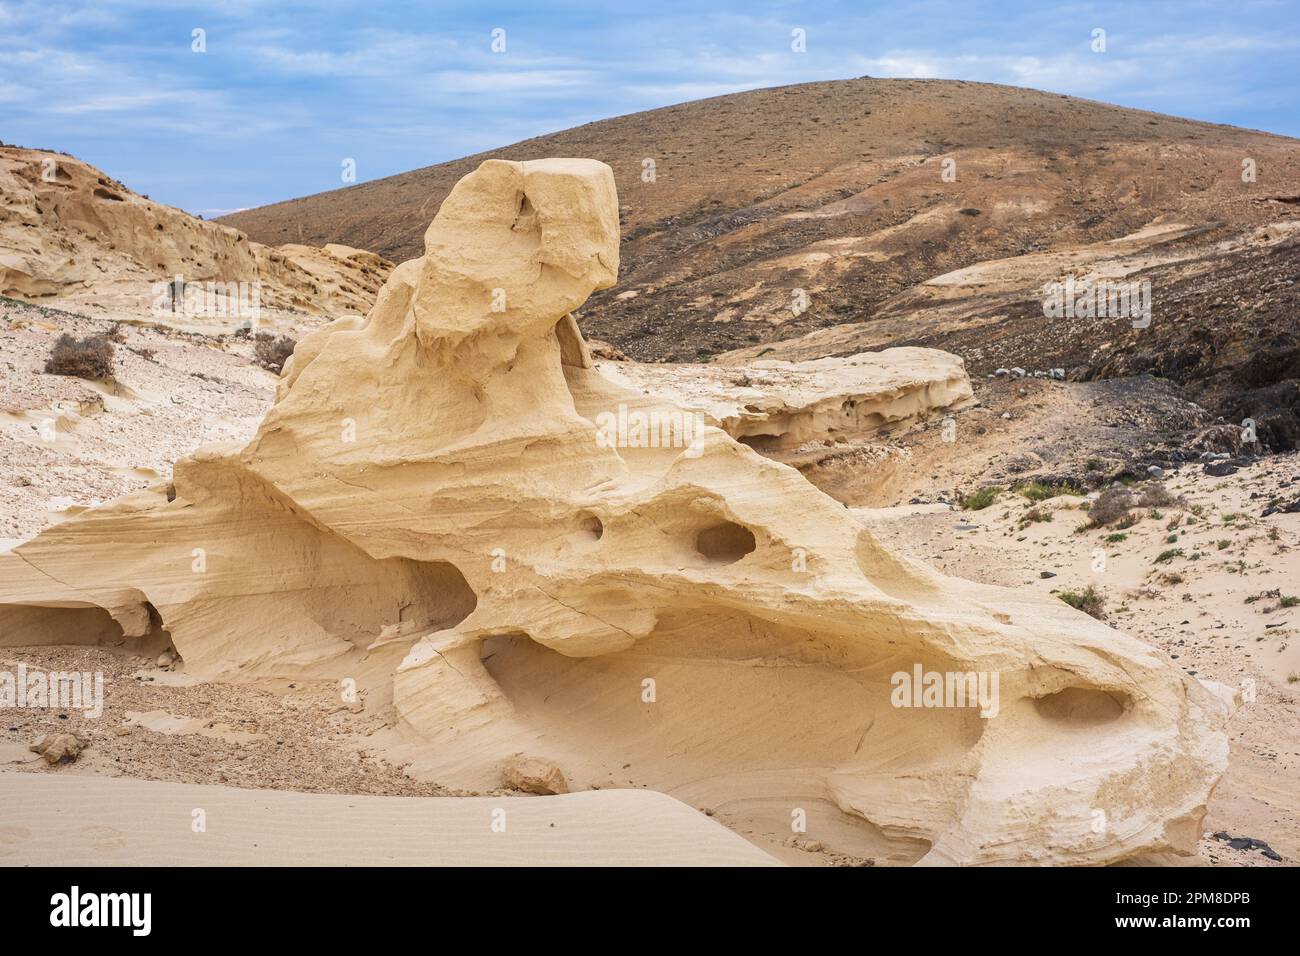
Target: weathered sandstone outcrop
<point>775,406</point>
<point>445,507</point>
<point>71,235</point>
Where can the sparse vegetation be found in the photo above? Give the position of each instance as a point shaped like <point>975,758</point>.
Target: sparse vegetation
<point>1090,601</point>
<point>1289,600</point>
<point>1041,491</point>
<point>1166,556</point>
<point>979,499</point>
<point>1111,505</point>
<point>1156,495</point>
<point>1034,516</point>
<point>273,352</point>
<point>91,357</point>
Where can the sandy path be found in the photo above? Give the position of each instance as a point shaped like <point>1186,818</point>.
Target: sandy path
<point>98,821</point>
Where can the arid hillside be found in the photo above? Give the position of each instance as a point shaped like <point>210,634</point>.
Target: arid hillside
<point>72,237</point>
<point>838,189</point>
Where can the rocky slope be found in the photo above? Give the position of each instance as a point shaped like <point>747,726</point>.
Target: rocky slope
<point>839,189</point>
<point>73,237</point>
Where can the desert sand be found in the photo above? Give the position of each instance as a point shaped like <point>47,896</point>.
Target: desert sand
<point>96,821</point>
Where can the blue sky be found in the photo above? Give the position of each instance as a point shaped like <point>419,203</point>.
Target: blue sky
<point>286,90</point>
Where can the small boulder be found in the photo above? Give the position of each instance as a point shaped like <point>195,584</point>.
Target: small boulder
<point>1220,469</point>
<point>59,748</point>
<point>534,775</point>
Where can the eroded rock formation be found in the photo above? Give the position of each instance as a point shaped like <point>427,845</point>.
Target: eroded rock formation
<point>776,406</point>
<point>431,511</point>
<point>70,235</point>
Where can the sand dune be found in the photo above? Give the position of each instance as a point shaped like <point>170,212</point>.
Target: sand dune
<point>101,821</point>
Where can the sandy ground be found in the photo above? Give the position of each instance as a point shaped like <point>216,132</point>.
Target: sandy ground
<point>103,822</point>
<point>67,443</point>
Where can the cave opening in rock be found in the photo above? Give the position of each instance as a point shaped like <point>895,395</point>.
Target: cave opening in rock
<point>725,542</point>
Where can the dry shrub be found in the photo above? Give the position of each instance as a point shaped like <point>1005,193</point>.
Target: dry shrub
<point>1111,505</point>
<point>271,352</point>
<point>1156,495</point>
<point>91,357</point>
<point>1090,601</point>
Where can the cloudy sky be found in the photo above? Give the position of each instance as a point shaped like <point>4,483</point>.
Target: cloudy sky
<point>287,90</point>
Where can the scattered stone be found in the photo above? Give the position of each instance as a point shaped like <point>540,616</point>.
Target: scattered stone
<point>59,748</point>
<point>1046,574</point>
<point>808,846</point>
<point>1155,471</point>
<point>1248,843</point>
<point>1220,469</point>
<point>534,775</point>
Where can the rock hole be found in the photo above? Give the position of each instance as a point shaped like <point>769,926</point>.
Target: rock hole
<point>725,543</point>
<point>1082,705</point>
<point>591,526</point>
<point>525,215</point>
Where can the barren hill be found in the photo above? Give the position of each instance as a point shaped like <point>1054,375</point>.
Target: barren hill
<point>837,188</point>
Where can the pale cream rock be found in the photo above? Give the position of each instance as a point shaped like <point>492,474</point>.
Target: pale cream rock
<point>73,238</point>
<point>533,775</point>
<point>693,618</point>
<point>59,748</point>
<point>777,405</point>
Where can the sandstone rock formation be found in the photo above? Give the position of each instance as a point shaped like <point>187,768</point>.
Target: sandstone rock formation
<point>71,235</point>
<point>433,511</point>
<point>775,406</point>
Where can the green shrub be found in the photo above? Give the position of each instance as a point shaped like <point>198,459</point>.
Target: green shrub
<point>979,499</point>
